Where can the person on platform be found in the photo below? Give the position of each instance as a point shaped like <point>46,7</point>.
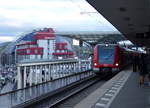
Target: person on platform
<point>148,68</point>
<point>143,69</point>
<point>135,62</point>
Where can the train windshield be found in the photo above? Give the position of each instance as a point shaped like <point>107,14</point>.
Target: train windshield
<point>106,54</point>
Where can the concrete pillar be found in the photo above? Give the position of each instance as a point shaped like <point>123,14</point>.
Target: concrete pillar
<point>48,78</point>
<point>30,77</point>
<point>66,66</point>
<point>71,68</point>
<point>66,70</point>
<point>52,71</point>
<point>37,74</point>
<point>70,71</point>
<point>76,70</point>
<point>25,76</point>
<point>45,73</point>
<point>19,77</point>
<point>49,72</point>
<point>79,65</point>
<point>74,67</point>
<point>55,70</point>
<point>34,74</point>
<point>40,75</point>
<point>58,70</point>
<point>63,69</point>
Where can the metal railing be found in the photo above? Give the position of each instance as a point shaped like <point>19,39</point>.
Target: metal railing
<point>19,96</point>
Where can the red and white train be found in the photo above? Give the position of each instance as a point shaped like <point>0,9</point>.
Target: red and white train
<point>110,56</point>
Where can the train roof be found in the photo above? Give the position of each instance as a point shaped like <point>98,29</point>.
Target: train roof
<point>107,44</point>
<point>133,51</point>
<point>127,49</point>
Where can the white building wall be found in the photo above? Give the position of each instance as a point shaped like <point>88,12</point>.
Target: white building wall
<point>48,49</point>
<point>44,45</point>
<point>32,56</point>
<point>38,56</point>
<point>51,48</point>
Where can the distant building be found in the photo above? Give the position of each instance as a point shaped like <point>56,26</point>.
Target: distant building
<point>38,44</point>
<point>62,52</point>
<point>43,45</point>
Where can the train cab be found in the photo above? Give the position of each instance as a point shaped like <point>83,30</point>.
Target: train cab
<point>110,56</point>
<point>106,57</point>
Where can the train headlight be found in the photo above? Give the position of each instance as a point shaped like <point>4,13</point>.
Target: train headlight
<point>117,64</point>
<point>95,64</point>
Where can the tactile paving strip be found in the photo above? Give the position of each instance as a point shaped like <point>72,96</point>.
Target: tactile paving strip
<point>111,93</point>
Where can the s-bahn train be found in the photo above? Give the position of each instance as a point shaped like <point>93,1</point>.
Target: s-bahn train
<point>108,57</point>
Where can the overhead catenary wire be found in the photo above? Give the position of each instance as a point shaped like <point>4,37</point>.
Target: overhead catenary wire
<point>90,13</point>
<point>107,28</point>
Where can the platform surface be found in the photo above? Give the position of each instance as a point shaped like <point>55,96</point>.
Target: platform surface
<point>122,91</point>
<point>132,95</point>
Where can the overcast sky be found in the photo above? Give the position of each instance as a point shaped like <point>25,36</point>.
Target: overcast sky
<point>20,16</point>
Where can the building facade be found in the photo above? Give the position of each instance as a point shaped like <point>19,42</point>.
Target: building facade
<point>42,46</point>
<point>62,51</point>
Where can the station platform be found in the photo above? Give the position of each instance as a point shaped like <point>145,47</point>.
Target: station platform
<point>122,91</point>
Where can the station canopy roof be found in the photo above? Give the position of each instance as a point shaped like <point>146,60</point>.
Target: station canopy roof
<point>94,38</point>
<point>130,17</point>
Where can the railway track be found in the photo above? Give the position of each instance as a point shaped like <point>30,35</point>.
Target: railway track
<point>73,93</point>
<point>77,95</point>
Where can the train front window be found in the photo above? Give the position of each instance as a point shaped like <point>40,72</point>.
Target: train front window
<point>106,55</point>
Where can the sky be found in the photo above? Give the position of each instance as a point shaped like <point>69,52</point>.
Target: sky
<point>21,16</point>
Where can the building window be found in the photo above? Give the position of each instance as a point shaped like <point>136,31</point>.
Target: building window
<point>48,42</point>
<point>41,56</point>
<point>28,51</point>
<point>36,51</point>
<point>35,56</point>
